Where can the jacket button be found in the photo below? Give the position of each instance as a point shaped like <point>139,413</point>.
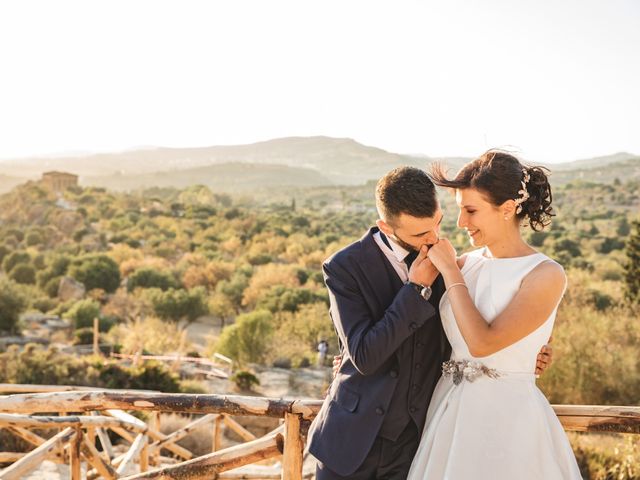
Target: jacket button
<point>393,374</point>
<point>379,411</point>
<point>412,409</point>
<point>419,344</point>
<point>416,386</point>
<point>418,365</point>
<point>413,326</point>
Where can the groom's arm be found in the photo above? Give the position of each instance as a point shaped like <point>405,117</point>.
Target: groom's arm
<point>545,357</point>
<point>369,341</point>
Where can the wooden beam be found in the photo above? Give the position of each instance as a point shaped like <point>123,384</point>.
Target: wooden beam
<point>207,466</point>
<point>184,431</point>
<point>10,457</point>
<point>33,459</point>
<point>74,455</point>
<point>26,435</point>
<point>144,457</point>
<point>245,434</point>
<point>166,402</point>
<point>39,421</point>
<point>93,457</point>
<point>134,451</point>
<point>293,447</point>
<point>217,435</point>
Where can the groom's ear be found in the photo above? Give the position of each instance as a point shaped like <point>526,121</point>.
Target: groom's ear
<point>384,227</point>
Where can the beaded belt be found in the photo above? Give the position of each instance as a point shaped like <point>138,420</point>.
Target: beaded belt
<point>467,370</point>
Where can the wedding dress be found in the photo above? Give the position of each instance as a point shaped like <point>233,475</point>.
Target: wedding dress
<point>487,418</point>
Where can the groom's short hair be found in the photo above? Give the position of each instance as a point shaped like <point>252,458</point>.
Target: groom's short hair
<point>407,190</point>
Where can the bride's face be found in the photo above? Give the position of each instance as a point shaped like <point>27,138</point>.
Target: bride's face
<point>482,220</point>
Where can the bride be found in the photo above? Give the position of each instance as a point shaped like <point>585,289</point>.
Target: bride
<point>487,418</point>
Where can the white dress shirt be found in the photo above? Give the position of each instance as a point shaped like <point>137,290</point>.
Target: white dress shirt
<point>396,255</point>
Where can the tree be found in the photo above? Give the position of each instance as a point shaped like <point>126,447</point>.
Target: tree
<point>15,258</point>
<point>178,304</point>
<point>23,273</point>
<point>248,339</point>
<point>632,267</point>
<point>12,304</point>
<point>96,271</point>
<point>151,278</point>
<point>280,298</point>
<point>83,312</point>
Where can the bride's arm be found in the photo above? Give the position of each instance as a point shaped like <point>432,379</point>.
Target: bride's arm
<point>539,294</point>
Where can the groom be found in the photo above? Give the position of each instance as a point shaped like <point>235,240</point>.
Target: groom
<point>384,300</point>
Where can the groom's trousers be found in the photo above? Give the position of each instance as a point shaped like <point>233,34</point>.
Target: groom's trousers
<point>387,459</point>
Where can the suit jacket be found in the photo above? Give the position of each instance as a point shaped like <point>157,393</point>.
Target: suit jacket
<point>373,314</point>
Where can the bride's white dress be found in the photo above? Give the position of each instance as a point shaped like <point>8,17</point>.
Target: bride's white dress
<point>494,428</point>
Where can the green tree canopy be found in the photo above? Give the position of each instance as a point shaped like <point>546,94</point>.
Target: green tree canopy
<point>12,304</point>
<point>96,271</point>
<point>151,278</point>
<point>178,304</point>
<point>632,268</point>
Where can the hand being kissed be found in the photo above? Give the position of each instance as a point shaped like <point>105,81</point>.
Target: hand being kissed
<point>442,255</point>
<point>422,269</point>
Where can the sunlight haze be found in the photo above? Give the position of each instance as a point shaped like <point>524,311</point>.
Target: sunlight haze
<point>557,81</point>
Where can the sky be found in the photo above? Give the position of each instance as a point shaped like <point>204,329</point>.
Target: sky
<point>555,80</point>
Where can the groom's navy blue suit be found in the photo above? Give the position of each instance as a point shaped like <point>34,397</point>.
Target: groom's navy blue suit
<point>393,346</point>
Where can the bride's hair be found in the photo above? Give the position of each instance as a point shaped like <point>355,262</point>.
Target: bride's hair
<point>499,176</point>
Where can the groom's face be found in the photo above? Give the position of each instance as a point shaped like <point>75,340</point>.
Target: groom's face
<point>412,233</point>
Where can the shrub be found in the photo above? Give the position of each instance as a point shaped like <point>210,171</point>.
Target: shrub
<point>15,258</point>
<point>151,335</point>
<point>33,238</point>
<point>23,273</point>
<point>84,311</point>
<point>4,251</point>
<point>248,339</point>
<point>83,336</point>
<point>244,380</point>
<point>44,304</point>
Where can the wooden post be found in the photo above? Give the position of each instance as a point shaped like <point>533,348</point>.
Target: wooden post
<point>144,456</point>
<point>96,334</point>
<point>74,454</point>
<point>217,434</point>
<point>293,446</point>
<point>154,424</point>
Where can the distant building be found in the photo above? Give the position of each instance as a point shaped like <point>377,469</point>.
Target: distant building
<point>59,181</point>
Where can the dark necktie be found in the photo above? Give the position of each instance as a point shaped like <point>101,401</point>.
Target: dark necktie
<point>411,256</point>
<point>409,259</point>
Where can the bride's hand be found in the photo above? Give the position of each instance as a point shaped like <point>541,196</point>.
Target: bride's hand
<point>443,255</point>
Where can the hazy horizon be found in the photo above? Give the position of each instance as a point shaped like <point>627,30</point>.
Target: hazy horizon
<point>80,154</point>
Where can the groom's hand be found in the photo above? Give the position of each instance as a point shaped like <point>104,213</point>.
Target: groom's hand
<point>422,270</point>
<point>545,357</point>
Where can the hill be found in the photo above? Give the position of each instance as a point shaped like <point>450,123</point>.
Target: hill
<point>226,177</point>
<point>283,162</point>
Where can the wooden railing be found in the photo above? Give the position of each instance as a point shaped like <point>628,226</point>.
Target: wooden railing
<point>76,439</point>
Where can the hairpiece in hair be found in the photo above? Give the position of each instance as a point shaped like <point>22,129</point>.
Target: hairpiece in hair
<point>524,194</point>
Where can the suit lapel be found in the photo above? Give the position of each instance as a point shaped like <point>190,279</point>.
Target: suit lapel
<point>375,267</point>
